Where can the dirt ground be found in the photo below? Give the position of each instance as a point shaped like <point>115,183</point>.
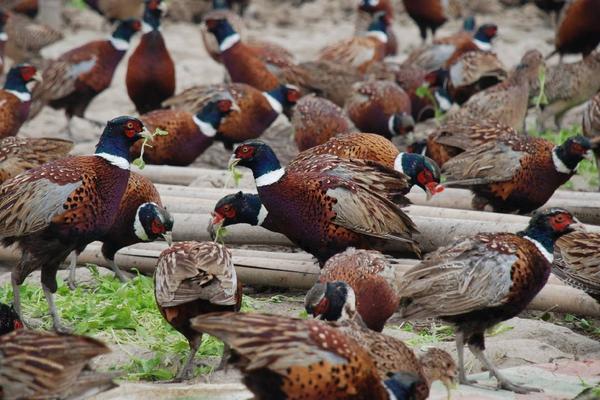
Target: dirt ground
<point>304,30</point>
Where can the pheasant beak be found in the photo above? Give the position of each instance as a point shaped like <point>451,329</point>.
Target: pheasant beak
<point>235,107</point>
<point>233,161</point>
<point>146,134</point>
<point>163,7</point>
<point>433,188</point>
<point>588,155</point>
<point>168,236</point>
<point>38,76</point>
<point>214,224</point>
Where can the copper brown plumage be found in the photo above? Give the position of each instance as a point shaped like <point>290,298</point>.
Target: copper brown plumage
<point>388,353</point>
<point>410,78</point>
<point>242,63</point>
<point>284,358</point>
<point>484,279</point>
<point>192,279</point>
<point>36,365</point>
<point>370,7</point>
<point>360,51</point>
<point>65,204</point>
<point>578,29</point>
<point>15,99</point>
<point>75,78</point>
<point>114,10</point>
<point>20,154</point>
<point>591,125</point>
<point>456,136</point>
<point>508,101</point>
<point>327,204</point>
<point>189,134</point>
<point>316,120</point>
<point>141,218</point>
<point>372,277</point>
<point>380,107</point>
<point>427,14</point>
<point>150,75</point>
<point>516,174</point>
<point>26,7</point>
<point>419,170</point>
<point>256,110</point>
<point>576,261</point>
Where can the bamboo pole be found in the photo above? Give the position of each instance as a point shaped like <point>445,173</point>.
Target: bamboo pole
<point>298,270</point>
<point>584,205</point>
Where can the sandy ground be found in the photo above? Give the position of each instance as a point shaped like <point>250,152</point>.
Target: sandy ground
<point>304,31</point>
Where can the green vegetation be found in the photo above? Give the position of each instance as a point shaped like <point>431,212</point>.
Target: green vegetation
<point>123,314</point>
<point>77,4</point>
<point>139,162</point>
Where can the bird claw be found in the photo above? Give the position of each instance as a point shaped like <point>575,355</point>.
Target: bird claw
<point>71,284</point>
<point>507,385</point>
<point>59,328</point>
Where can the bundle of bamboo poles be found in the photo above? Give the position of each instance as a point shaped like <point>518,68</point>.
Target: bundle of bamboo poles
<point>584,205</point>
<point>299,270</point>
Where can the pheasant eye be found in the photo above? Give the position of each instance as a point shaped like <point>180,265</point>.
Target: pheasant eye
<point>224,105</point>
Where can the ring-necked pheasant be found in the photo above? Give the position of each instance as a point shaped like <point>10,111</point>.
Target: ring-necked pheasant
<point>419,170</point>
<point>64,205</point>
<point>285,358</point>
<point>141,218</point>
<point>327,204</point>
<point>36,365</point>
<point>516,174</point>
<point>241,62</point>
<point>150,75</point>
<point>576,261</point>
<point>427,14</point>
<point>360,51</point>
<point>189,135</point>
<point>380,107</point>
<point>370,274</point>
<point>371,7</point>
<point>388,353</point>
<point>508,101</point>
<point>15,98</point>
<point>479,281</point>
<point>256,110</point>
<point>578,29</point>
<point>75,78</point>
<point>192,279</point>
<point>20,154</point>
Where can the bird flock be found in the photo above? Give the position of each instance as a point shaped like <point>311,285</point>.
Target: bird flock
<point>342,198</point>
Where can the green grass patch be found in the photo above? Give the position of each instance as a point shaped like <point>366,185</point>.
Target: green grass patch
<point>80,4</point>
<point>124,314</point>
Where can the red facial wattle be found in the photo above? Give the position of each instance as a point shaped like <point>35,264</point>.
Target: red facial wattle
<point>217,218</point>
<point>157,227</point>
<point>18,325</point>
<point>321,308</point>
